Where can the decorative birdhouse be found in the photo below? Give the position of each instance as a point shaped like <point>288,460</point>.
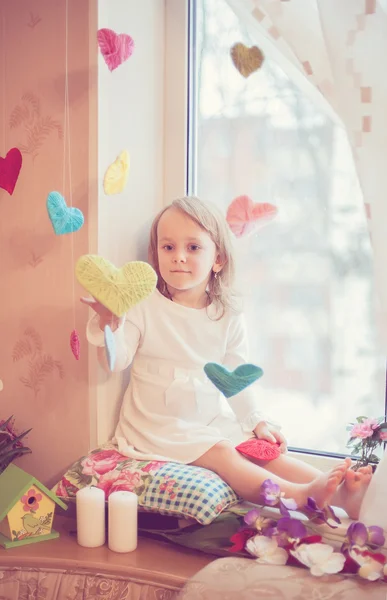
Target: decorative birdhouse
<point>27,509</point>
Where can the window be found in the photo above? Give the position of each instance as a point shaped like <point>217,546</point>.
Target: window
<point>307,276</point>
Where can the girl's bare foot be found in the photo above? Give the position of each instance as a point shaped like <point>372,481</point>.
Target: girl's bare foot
<point>351,492</point>
<point>367,470</point>
<point>324,487</point>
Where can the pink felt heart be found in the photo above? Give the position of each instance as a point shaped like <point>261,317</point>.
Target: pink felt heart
<point>75,343</point>
<point>243,215</point>
<point>9,169</point>
<point>116,48</point>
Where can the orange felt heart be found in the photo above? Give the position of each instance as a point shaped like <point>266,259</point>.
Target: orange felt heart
<point>243,216</point>
<point>246,60</point>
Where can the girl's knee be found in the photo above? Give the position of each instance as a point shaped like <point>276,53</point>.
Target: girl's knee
<point>223,449</point>
<point>216,457</point>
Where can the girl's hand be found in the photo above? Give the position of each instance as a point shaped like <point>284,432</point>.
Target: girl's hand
<point>265,431</point>
<point>106,317</point>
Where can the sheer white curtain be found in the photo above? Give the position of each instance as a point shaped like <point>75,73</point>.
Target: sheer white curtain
<point>307,277</point>
<point>335,52</point>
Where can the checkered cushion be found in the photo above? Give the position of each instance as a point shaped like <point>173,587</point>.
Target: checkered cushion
<point>168,488</point>
<point>188,492</point>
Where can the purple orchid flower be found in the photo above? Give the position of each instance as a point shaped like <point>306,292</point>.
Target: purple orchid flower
<point>270,492</point>
<point>289,503</point>
<point>286,531</point>
<point>271,496</point>
<point>325,514</point>
<point>251,517</point>
<point>376,536</point>
<point>254,518</point>
<point>360,535</point>
<point>286,504</point>
<point>293,528</point>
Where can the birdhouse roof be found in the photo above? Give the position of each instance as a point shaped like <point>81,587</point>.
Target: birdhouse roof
<point>14,482</point>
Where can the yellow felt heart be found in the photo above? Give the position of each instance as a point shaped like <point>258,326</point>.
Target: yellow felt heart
<point>117,289</point>
<point>116,174</point>
<point>246,60</point>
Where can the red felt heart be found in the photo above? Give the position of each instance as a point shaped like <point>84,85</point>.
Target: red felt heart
<point>116,48</point>
<point>259,449</point>
<point>9,170</point>
<point>243,215</point>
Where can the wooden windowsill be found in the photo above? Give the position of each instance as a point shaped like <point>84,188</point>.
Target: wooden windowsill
<point>153,562</point>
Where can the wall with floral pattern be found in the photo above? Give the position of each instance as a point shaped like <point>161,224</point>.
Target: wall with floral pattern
<point>41,383</point>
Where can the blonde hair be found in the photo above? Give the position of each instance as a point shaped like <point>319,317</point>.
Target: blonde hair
<point>207,216</point>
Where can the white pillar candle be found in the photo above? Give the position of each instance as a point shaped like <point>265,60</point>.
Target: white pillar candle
<point>122,527</point>
<point>90,504</point>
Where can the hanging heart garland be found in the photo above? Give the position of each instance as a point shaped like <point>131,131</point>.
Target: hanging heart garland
<point>110,347</point>
<point>246,60</point>
<point>9,169</point>
<point>117,289</point>
<point>231,383</point>
<point>75,344</point>
<point>64,219</point>
<point>116,174</point>
<point>115,48</point>
<point>243,215</point>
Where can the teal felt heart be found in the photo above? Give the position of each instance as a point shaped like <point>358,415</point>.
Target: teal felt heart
<point>110,347</point>
<point>64,219</point>
<point>232,382</point>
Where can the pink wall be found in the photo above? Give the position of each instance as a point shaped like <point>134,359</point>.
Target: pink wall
<point>43,385</point>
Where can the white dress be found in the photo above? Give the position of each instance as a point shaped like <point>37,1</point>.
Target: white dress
<point>171,411</point>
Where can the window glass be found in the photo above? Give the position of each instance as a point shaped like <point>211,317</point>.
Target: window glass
<point>306,276</point>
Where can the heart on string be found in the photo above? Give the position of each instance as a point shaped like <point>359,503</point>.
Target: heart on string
<point>246,60</point>
<point>243,216</point>
<point>9,169</point>
<point>115,48</point>
<point>117,289</point>
<point>231,383</point>
<point>116,174</point>
<point>64,219</point>
<point>259,449</point>
<point>75,344</point>
<point>110,347</point>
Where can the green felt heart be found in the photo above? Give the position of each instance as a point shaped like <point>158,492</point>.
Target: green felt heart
<point>232,382</point>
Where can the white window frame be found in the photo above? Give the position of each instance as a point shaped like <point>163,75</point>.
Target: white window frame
<point>175,99</point>
<point>176,135</point>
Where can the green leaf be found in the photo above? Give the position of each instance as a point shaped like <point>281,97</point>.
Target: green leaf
<point>73,474</point>
<point>139,490</point>
<point>11,442</point>
<point>373,458</point>
<point>14,453</point>
<point>4,425</point>
<point>86,480</point>
<point>147,479</point>
<point>360,419</point>
<point>124,464</point>
<point>352,441</point>
<point>213,538</point>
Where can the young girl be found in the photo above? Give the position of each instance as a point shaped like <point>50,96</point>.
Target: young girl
<point>171,411</point>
